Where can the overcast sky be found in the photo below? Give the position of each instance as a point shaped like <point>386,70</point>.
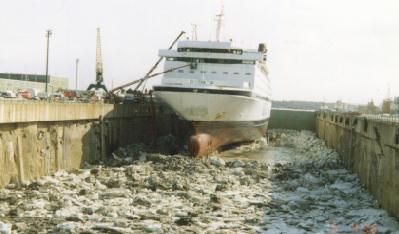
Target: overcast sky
<point>320,50</point>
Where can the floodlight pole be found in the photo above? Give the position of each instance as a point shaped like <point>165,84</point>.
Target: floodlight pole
<point>76,74</point>
<point>48,34</point>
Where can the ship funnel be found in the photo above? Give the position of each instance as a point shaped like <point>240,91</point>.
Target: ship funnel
<point>262,48</point>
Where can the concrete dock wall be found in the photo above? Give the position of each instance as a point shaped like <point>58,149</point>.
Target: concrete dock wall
<point>292,119</point>
<point>40,138</point>
<point>370,148</point>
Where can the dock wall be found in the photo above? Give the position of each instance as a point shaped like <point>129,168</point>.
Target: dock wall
<point>292,119</point>
<point>40,138</point>
<point>369,148</point>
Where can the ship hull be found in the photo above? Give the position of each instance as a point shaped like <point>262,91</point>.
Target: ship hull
<point>217,118</point>
<point>207,137</point>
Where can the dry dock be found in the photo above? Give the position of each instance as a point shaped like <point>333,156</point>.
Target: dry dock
<point>302,188</point>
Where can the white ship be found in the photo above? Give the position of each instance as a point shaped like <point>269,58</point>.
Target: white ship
<point>224,94</point>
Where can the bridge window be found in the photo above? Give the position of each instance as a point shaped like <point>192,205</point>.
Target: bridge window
<point>210,60</point>
<point>248,62</point>
<point>181,71</point>
<point>209,50</point>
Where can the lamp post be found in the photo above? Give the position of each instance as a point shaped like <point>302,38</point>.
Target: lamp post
<point>76,73</point>
<point>48,34</point>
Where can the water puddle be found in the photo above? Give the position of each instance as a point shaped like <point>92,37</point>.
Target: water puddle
<point>267,154</point>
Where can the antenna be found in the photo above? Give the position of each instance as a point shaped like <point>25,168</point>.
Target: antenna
<point>219,20</point>
<point>194,36</point>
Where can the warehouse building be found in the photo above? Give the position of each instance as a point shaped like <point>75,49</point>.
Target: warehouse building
<point>15,82</point>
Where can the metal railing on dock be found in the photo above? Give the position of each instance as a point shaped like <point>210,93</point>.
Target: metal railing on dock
<point>383,118</point>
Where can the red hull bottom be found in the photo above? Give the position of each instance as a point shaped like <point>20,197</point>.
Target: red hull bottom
<point>210,136</point>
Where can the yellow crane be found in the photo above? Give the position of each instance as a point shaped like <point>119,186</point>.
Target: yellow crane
<point>99,67</point>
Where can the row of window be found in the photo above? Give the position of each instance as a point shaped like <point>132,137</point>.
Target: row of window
<point>208,60</point>
<point>214,72</point>
<point>24,77</point>
<point>209,50</point>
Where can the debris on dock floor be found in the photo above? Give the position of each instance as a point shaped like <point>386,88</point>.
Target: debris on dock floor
<point>310,193</point>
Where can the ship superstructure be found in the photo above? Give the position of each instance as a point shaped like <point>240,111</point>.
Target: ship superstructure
<point>216,68</point>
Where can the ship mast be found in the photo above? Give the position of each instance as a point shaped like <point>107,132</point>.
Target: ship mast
<point>219,20</point>
<point>194,36</point>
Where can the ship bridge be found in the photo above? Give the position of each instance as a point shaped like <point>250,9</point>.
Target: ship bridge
<point>212,50</point>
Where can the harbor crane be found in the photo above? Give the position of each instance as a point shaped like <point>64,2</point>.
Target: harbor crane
<point>99,67</point>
